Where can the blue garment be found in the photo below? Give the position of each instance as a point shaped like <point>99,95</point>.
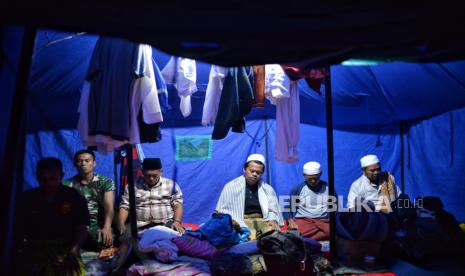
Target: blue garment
<point>235,102</point>
<point>113,66</point>
<point>162,88</point>
<point>244,234</point>
<point>219,232</point>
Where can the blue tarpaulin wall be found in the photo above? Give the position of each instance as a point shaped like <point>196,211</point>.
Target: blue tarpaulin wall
<point>368,104</point>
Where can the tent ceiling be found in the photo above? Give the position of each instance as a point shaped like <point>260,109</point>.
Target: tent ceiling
<point>237,32</point>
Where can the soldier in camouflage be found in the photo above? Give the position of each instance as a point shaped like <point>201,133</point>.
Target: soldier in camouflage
<point>99,193</point>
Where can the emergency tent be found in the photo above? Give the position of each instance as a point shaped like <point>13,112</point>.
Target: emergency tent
<point>370,106</point>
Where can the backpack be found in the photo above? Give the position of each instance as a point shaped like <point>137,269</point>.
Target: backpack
<point>285,254</point>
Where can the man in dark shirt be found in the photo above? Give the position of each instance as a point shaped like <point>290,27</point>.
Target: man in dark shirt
<point>53,223</point>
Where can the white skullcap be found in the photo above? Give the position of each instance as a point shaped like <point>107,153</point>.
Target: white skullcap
<point>312,168</point>
<point>368,160</point>
<point>256,157</point>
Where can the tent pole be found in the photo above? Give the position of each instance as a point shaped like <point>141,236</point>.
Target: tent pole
<point>12,169</point>
<point>266,153</point>
<point>402,160</point>
<point>132,193</point>
<point>330,152</point>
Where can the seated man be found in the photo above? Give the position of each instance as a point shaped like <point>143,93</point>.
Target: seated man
<point>374,185</point>
<point>53,223</point>
<point>311,209</point>
<point>98,191</point>
<point>250,201</point>
<point>158,200</point>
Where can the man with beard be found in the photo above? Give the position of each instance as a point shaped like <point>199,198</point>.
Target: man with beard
<point>373,186</point>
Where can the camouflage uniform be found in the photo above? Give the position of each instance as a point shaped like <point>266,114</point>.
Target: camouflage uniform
<point>93,192</point>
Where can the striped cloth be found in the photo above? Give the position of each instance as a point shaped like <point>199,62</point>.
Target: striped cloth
<point>232,201</point>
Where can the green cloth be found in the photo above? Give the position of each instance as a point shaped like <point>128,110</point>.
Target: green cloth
<point>93,192</point>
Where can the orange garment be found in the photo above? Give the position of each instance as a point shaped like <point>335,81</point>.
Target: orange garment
<point>258,86</point>
<point>388,190</point>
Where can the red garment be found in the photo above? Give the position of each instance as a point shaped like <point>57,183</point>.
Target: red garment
<point>314,77</point>
<point>316,229</point>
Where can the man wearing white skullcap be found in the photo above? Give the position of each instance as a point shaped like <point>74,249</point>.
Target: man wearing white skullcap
<point>309,209</point>
<point>249,200</point>
<point>374,185</point>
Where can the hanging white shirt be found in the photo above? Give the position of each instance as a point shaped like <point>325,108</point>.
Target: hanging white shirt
<point>276,83</point>
<point>213,94</point>
<point>284,93</point>
<point>182,73</point>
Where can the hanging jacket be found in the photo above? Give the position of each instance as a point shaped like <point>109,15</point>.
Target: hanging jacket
<point>115,63</point>
<point>235,102</point>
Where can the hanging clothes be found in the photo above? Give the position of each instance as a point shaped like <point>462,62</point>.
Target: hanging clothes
<point>148,133</point>
<point>314,77</point>
<point>114,64</point>
<point>276,83</point>
<point>123,157</point>
<point>213,94</point>
<point>235,102</point>
<point>259,86</point>
<point>162,88</point>
<point>285,94</point>
<point>182,73</point>
<point>146,113</point>
<point>106,86</point>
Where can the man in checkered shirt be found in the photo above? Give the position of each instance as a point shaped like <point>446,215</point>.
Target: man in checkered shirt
<point>158,200</point>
